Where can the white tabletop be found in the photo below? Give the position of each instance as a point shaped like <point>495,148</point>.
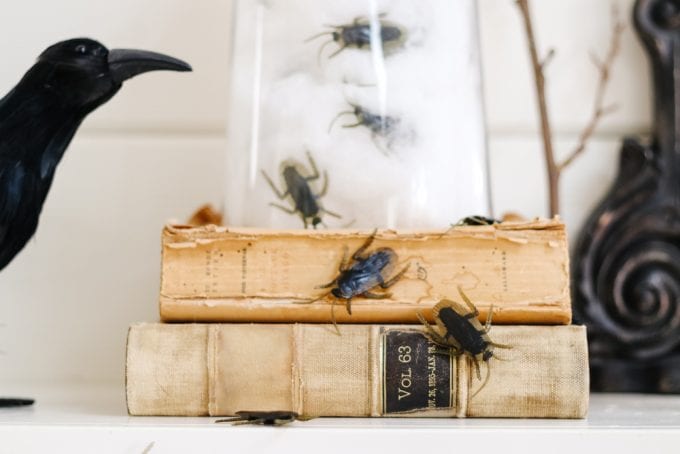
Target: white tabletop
<point>92,418</point>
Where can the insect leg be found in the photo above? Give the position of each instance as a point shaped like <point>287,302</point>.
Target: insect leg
<point>499,345</point>
<point>241,420</point>
<point>367,243</point>
<point>335,323</point>
<point>376,296</point>
<point>230,419</point>
<point>473,308</point>
<point>331,213</point>
<point>363,20</point>
<point>344,112</point>
<point>489,315</point>
<point>281,207</point>
<point>486,380</point>
<point>344,263</point>
<point>431,332</point>
<point>279,194</point>
<point>325,185</point>
<point>353,125</point>
<point>318,55</point>
<point>329,285</point>
<point>453,344</point>
<point>338,51</point>
<point>348,305</point>
<point>383,148</point>
<point>283,421</point>
<point>312,164</point>
<point>476,363</point>
<point>394,280</point>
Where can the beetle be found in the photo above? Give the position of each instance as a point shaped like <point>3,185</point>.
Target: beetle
<point>478,220</point>
<point>475,220</point>
<point>383,126</point>
<point>305,202</point>
<point>463,334</point>
<point>267,418</point>
<point>358,35</point>
<point>361,273</point>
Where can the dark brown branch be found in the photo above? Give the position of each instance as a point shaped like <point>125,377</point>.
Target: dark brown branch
<point>539,80</point>
<point>554,169</point>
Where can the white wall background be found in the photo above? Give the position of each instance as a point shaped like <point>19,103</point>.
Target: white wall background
<point>155,152</point>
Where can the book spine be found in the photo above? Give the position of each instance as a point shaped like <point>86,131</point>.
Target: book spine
<point>369,370</point>
<point>248,275</point>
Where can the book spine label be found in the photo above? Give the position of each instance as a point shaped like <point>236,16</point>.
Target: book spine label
<point>415,375</point>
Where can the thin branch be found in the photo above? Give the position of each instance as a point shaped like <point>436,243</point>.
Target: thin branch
<point>599,109</point>
<point>547,59</point>
<point>539,79</point>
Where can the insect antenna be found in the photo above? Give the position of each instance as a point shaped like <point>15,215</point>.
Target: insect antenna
<point>318,35</point>
<point>337,117</point>
<point>314,300</point>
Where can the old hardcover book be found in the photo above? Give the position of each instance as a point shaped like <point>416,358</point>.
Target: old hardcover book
<point>368,370</point>
<point>217,274</point>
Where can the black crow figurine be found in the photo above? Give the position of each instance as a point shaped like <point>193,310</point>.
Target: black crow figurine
<point>39,117</point>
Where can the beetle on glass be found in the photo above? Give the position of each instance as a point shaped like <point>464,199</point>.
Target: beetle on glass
<point>463,334</point>
<point>382,126</point>
<point>358,35</point>
<point>306,203</point>
<point>362,273</point>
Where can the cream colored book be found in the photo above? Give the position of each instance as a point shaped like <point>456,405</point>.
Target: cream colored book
<point>367,370</point>
<point>220,274</point>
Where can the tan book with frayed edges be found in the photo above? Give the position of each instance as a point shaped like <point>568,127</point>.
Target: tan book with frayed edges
<point>367,370</point>
<point>220,274</point>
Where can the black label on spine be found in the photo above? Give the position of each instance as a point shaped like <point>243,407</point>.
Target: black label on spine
<point>415,377</point>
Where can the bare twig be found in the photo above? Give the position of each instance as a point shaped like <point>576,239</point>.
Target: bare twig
<point>539,79</point>
<point>554,169</point>
<point>547,59</point>
<point>599,109</point>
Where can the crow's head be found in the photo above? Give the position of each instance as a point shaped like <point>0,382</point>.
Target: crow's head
<point>83,72</point>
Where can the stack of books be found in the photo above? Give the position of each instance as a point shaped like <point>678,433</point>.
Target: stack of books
<point>246,325</point>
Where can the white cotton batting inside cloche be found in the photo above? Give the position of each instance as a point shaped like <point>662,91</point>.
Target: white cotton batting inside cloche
<point>428,172</point>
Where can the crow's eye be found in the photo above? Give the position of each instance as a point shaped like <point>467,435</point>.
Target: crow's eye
<point>81,49</point>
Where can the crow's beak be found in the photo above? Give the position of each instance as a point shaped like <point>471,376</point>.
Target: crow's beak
<point>127,63</point>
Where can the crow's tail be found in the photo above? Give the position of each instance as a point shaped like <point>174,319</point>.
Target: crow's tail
<point>12,402</point>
